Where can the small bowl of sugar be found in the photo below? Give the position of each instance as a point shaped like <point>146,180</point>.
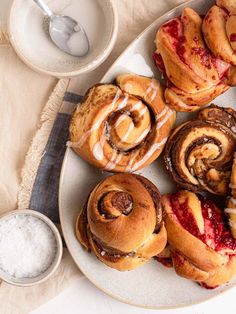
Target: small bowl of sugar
<point>30,247</point>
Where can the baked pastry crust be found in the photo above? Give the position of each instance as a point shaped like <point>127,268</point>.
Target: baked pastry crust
<point>123,127</point>
<point>202,248</point>
<point>122,222</point>
<point>194,76</point>
<point>199,153</point>
<point>230,209</point>
<point>219,29</point>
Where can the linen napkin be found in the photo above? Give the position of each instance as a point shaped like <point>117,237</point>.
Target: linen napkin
<point>23,94</point>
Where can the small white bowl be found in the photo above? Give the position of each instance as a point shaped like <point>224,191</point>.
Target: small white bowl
<point>26,282</point>
<point>29,36</point>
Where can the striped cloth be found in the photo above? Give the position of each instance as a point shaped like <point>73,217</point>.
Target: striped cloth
<point>44,195</point>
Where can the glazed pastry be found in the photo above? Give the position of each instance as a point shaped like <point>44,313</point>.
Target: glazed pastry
<point>194,77</point>
<point>230,210</point>
<point>199,153</point>
<point>122,222</point>
<point>123,127</point>
<point>202,247</point>
<point>219,29</point>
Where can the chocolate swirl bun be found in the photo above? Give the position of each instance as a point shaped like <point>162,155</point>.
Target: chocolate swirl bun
<point>194,76</point>
<point>202,248</point>
<point>219,29</point>
<point>199,153</point>
<point>122,128</point>
<point>122,222</point>
<point>230,209</point>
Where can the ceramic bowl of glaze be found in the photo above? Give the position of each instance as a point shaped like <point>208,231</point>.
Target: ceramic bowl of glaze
<point>50,270</point>
<point>28,29</point>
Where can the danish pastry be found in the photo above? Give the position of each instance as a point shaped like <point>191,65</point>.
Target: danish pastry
<point>122,222</point>
<point>202,248</point>
<point>199,153</point>
<point>194,76</point>
<point>123,127</point>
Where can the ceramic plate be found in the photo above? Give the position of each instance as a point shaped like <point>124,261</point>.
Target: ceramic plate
<point>152,285</point>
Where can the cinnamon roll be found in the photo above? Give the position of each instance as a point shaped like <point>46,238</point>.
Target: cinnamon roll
<point>202,248</point>
<point>194,77</point>
<point>122,222</point>
<point>199,153</point>
<point>219,29</point>
<point>230,209</point>
<point>123,127</point>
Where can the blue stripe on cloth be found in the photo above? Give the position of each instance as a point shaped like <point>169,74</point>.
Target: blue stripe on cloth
<point>72,98</point>
<point>44,196</point>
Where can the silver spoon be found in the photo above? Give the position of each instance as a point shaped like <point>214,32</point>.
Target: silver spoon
<point>66,33</point>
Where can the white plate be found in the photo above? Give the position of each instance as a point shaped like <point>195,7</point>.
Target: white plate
<point>152,285</point>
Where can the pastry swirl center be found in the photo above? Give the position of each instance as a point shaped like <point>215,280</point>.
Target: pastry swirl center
<point>115,203</point>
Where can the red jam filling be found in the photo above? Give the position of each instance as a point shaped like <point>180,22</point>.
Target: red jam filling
<point>174,29</point>
<point>216,233</point>
<point>159,62</point>
<point>204,285</point>
<point>205,56</point>
<point>233,37</point>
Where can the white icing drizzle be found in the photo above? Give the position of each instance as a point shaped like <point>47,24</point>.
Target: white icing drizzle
<point>98,151</point>
<point>120,120</point>
<point>232,224</point>
<point>232,200</point>
<point>160,124</point>
<point>230,210</point>
<point>100,120</point>
<point>143,135</point>
<point>131,161</point>
<point>137,106</point>
<point>153,94</point>
<point>123,103</point>
<point>130,129</point>
<point>152,149</point>
<point>162,113</point>
<point>143,111</point>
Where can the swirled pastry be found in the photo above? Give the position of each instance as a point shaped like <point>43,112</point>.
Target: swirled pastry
<point>123,127</point>
<point>230,209</point>
<point>219,29</point>
<point>199,153</point>
<point>122,222</point>
<point>194,76</point>
<point>202,248</point>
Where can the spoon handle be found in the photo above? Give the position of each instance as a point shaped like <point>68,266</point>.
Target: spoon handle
<point>44,7</point>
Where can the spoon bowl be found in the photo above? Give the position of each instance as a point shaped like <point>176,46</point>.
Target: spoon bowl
<point>66,33</point>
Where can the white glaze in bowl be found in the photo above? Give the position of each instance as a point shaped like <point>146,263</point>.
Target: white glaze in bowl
<point>28,30</point>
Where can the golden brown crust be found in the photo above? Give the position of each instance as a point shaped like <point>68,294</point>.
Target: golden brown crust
<point>124,221</point>
<point>230,209</point>
<point>122,128</point>
<point>201,246</point>
<point>198,154</point>
<point>217,33</point>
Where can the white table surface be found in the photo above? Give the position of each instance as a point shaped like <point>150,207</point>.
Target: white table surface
<point>84,297</point>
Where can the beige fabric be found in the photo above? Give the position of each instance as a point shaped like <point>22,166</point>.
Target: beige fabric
<point>23,94</point>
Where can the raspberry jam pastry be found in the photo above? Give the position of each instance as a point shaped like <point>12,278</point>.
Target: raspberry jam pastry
<point>230,209</point>
<point>219,29</point>
<point>202,248</point>
<point>194,76</point>
<point>123,127</point>
<point>122,222</point>
<point>199,153</point>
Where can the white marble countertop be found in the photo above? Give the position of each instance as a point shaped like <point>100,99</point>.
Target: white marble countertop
<point>84,297</point>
